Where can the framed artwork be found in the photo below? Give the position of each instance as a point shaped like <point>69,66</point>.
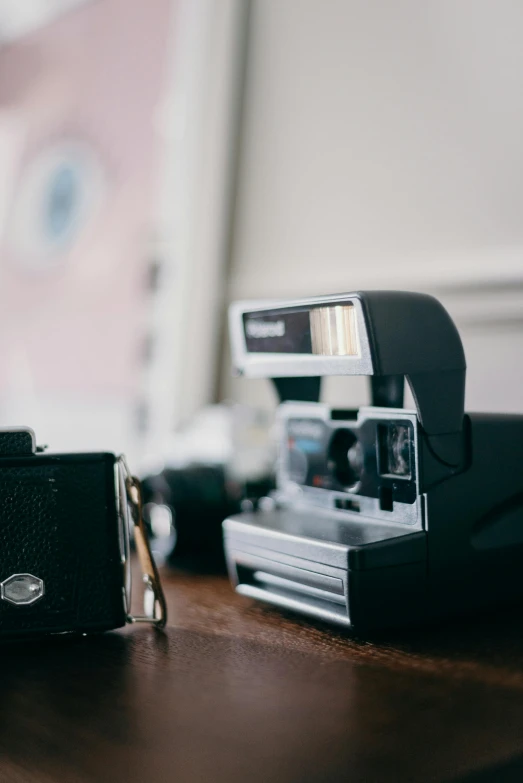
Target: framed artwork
<point>100,152</point>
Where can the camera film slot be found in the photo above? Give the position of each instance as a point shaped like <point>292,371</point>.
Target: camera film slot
<point>286,585</point>
<point>334,331</point>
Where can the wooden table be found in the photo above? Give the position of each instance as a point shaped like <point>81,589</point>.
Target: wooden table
<point>235,691</point>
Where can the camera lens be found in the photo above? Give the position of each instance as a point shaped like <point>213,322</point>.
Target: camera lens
<point>345,458</point>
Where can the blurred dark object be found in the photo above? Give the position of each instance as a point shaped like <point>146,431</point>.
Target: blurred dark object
<point>224,463</point>
<point>185,507</point>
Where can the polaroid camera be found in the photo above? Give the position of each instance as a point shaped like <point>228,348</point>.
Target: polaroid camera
<point>381,516</point>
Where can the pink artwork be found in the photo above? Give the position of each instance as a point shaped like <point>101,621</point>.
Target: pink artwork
<point>79,99</point>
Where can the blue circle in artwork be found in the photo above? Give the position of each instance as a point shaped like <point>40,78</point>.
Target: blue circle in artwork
<point>61,203</point>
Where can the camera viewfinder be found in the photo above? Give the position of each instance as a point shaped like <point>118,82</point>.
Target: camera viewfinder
<point>394,447</point>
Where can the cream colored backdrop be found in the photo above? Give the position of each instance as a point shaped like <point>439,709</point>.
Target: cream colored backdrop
<point>382,146</point>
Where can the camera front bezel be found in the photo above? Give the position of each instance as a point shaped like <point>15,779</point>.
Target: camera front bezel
<point>358,502</point>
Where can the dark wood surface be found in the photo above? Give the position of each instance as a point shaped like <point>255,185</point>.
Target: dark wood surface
<point>235,691</point>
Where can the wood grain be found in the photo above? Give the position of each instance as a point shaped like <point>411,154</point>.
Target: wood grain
<point>235,691</point>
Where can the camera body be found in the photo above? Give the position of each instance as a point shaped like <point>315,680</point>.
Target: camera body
<point>64,532</point>
<point>381,516</point>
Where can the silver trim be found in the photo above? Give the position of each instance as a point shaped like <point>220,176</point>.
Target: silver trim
<point>284,602</point>
<point>271,544</point>
<point>266,578</point>
<point>328,580</point>
<point>155,611</point>
<point>122,508</point>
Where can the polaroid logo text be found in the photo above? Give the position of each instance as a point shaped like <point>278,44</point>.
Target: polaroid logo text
<point>306,428</point>
<point>262,329</point>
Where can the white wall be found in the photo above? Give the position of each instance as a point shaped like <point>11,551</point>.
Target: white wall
<point>382,147</point>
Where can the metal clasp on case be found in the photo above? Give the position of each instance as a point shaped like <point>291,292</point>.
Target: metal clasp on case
<point>155,608</point>
<point>22,589</point>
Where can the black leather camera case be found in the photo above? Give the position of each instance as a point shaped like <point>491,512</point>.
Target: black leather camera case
<point>59,523</point>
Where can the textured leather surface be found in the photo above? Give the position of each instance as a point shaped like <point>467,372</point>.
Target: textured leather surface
<point>58,522</point>
<point>16,442</point>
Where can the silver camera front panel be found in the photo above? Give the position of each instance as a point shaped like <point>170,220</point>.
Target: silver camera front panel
<point>368,508</point>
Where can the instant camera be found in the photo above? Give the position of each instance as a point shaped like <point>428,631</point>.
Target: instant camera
<point>382,516</point>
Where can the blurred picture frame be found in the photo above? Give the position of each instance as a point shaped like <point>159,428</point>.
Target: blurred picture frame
<point>104,236</point>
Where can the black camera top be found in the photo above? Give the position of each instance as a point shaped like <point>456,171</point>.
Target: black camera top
<point>17,441</point>
<point>387,335</point>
